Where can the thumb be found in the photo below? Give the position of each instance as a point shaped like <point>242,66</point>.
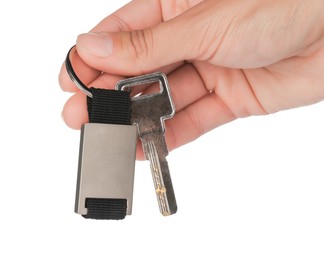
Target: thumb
<point>140,51</point>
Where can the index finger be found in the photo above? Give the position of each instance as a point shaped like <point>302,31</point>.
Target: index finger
<point>135,15</point>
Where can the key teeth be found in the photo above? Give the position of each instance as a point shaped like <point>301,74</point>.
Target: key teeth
<point>170,212</point>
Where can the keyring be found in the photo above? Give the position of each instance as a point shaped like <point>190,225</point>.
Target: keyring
<point>75,79</point>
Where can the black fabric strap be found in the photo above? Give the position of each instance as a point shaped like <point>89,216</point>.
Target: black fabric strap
<point>106,208</point>
<point>108,107</point>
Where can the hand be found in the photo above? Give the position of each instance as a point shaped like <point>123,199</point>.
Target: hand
<point>224,59</point>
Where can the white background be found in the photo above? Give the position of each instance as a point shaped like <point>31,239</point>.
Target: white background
<point>252,189</point>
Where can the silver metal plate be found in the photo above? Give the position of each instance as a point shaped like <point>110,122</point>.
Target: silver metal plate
<point>106,164</point>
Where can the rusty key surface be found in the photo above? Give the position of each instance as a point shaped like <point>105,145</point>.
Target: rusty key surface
<point>149,112</point>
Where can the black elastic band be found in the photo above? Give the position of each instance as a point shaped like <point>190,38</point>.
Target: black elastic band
<point>108,107</point>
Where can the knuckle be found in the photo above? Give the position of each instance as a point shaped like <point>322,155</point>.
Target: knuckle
<point>120,23</point>
<point>140,44</point>
<point>195,122</point>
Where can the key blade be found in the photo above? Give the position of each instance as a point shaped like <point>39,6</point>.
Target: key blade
<point>155,151</point>
<point>160,188</point>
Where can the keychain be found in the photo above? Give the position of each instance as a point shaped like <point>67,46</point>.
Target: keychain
<point>107,153</point>
<point>108,146</point>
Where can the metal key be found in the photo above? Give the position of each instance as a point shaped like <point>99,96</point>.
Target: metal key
<point>149,112</point>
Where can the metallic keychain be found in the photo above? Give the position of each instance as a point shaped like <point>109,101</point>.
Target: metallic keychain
<point>77,82</point>
<point>106,166</point>
<point>149,111</point>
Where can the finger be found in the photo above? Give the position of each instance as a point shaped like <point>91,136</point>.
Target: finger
<point>194,104</point>
<point>186,86</point>
<point>200,117</point>
<point>129,17</point>
<point>193,121</point>
<point>74,111</point>
<point>75,115</point>
<point>140,51</point>
<point>223,33</point>
<point>198,111</point>
<point>187,125</point>
<point>108,81</point>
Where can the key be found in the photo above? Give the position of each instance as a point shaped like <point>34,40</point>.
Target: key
<point>149,112</point>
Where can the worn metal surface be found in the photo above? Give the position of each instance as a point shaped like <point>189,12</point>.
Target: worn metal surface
<point>148,113</point>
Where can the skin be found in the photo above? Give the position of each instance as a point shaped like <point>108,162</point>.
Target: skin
<point>225,59</point>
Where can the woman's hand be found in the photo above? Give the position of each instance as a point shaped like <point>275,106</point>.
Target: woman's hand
<point>225,59</point>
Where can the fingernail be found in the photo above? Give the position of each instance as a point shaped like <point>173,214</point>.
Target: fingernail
<point>96,44</point>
